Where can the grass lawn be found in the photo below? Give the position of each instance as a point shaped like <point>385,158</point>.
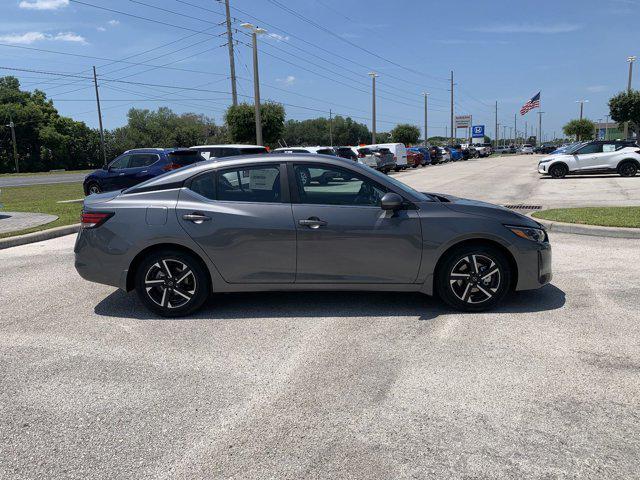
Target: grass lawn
<point>32,174</point>
<point>604,216</point>
<point>42,199</point>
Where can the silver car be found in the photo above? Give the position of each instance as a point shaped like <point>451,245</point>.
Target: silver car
<point>250,224</point>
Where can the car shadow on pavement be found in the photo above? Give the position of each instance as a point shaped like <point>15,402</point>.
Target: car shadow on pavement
<point>326,304</point>
<point>586,177</point>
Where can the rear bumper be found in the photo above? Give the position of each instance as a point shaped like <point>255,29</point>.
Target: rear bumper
<point>95,264</point>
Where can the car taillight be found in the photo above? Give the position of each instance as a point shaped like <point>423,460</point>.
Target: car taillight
<point>94,219</point>
<point>171,166</point>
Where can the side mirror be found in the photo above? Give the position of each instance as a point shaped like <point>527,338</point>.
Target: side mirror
<point>391,201</point>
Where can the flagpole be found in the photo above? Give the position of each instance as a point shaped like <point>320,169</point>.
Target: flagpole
<point>540,119</point>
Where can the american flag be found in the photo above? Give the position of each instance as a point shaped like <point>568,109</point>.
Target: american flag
<point>531,104</point>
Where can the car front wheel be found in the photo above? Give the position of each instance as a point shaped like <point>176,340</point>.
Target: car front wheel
<point>558,171</point>
<point>172,283</point>
<point>473,278</point>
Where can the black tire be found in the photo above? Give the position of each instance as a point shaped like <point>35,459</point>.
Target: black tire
<point>627,168</point>
<point>559,170</point>
<point>93,188</point>
<point>473,292</point>
<point>168,291</point>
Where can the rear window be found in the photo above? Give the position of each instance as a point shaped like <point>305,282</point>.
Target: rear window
<point>326,151</point>
<point>185,157</point>
<point>252,150</point>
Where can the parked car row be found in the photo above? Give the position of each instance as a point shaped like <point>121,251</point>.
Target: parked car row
<point>138,165</point>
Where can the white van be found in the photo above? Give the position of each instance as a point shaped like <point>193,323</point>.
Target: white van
<point>318,150</point>
<point>399,153</point>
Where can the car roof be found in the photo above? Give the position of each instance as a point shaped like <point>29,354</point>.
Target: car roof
<point>228,145</point>
<point>155,150</point>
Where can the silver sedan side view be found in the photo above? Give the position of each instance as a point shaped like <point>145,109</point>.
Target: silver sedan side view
<point>303,222</point>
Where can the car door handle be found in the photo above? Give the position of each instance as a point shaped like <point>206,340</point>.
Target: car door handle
<point>197,218</point>
<point>312,222</point>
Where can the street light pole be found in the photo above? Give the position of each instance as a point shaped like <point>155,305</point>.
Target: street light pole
<point>13,142</point>
<point>630,59</point>
<point>373,76</point>
<point>256,78</point>
<point>426,124</point>
<point>582,102</point>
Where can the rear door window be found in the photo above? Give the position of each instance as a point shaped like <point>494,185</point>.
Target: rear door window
<point>140,160</point>
<point>186,157</point>
<point>249,184</point>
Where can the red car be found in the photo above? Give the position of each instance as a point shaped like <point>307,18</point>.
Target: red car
<point>415,159</point>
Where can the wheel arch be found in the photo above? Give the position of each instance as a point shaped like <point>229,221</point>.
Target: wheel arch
<point>133,266</point>
<point>628,159</point>
<point>513,265</point>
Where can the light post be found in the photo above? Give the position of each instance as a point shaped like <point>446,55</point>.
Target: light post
<point>606,127</point>
<point>582,102</point>
<point>255,31</point>
<point>630,59</point>
<point>373,76</point>
<point>426,128</point>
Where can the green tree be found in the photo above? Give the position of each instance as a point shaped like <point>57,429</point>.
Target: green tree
<point>384,137</point>
<point>315,131</point>
<point>625,107</point>
<point>582,129</point>
<point>240,122</point>
<point>405,133</point>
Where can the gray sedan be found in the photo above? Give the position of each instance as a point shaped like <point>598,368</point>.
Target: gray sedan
<point>252,224</point>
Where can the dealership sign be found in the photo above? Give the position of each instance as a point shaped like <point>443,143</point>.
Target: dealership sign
<point>477,131</point>
<point>463,121</point>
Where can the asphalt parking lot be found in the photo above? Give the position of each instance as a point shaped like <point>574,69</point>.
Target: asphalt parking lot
<point>329,385</point>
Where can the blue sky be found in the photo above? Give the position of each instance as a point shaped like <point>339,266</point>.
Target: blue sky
<point>499,50</point>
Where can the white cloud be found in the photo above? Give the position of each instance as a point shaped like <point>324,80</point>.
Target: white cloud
<point>23,38</point>
<point>287,81</point>
<point>529,28</point>
<point>43,4</point>
<point>597,88</point>
<point>101,29</point>
<point>69,37</point>
<point>28,38</point>
<point>113,23</point>
<point>279,38</point>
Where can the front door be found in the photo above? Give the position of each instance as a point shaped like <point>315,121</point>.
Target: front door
<point>343,234</point>
<point>241,217</point>
<point>589,156</point>
<point>115,173</point>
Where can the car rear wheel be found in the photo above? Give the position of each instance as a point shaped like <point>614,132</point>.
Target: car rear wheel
<point>473,278</point>
<point>172,283</point>
<point>94,188</point>
<point>558,171</point>
<point>627,169</point>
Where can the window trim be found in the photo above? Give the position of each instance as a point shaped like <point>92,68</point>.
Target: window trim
<point>110,165</point>
<point>284,187</point>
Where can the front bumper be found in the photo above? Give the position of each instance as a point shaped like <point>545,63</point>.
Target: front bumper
<point>543,168</point>
<point>534,266</point>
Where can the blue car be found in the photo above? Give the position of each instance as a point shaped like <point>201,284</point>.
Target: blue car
<point>137,165</point>
<point>455,154</point>
<point>424,151</point>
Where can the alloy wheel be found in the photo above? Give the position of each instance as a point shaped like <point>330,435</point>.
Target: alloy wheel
<point>94,188</point>
<point>170,283</point>
<point>475,279</point>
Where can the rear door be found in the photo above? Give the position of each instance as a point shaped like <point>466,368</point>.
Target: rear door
<point>242,219</point>
<point>343,234</point>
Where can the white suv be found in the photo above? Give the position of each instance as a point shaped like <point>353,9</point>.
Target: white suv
<point>526,149</point>
<point>598,156</point>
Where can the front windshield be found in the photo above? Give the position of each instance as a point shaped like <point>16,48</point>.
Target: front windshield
<point>574,147</point>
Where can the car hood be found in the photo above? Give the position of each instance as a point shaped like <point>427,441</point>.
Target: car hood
<point>554,157</point>
<point>484,209</point>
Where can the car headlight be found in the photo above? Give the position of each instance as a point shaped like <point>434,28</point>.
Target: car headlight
<point>529,233</point>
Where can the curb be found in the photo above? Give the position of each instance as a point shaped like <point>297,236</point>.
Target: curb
<point>38,236</point>
<point>592,230</point>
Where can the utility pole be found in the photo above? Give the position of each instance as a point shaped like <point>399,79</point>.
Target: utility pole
<point>497,135</point>
<point>504,135</point>
<point>606,127</point>
<point>540,128</point>
<point>256,78</point>
<point>232,63</point>
<point>13,142</point>
<point>581,102</point>
<point>95,84</point>
<point>452,107</point>
<point>330,128</point>
<point>597,129</point>
<point>426,124</point>
<point>515,128</point>
<point>630,59</point>
<point>373,76</point>
<point>497,131</point>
